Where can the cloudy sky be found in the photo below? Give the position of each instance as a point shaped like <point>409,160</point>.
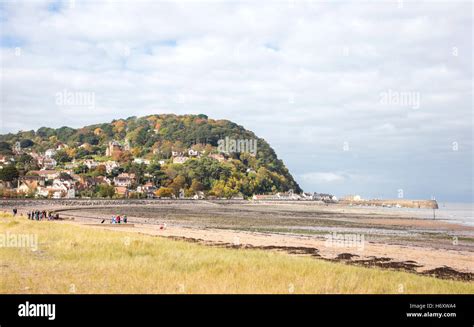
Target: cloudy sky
<point>357,97</point>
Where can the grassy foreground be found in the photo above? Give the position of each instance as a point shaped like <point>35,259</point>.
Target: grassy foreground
<point>76,259</point>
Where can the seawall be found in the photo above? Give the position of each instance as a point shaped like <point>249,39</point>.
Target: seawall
<point>424,204</point>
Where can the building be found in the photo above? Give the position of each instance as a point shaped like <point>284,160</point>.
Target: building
<point>141,161</point>
<point>47,163</point>
<point>91,164</point>
<point>59,189</point>
<point>193,153</point>
<point>264,197</point>
<point>353,198</point>
<point>199,195</point>
<point>50,153</point>
<point>110,166</point>
<point>148,188</point>
<point>47,174</point>
<point>124,179</point>
<point>177,153</point>
<point>28,184</point>
<point>324,197</point>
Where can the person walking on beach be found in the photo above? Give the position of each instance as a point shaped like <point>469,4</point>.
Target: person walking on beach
<point>125,219</point>
<point>15,210</point>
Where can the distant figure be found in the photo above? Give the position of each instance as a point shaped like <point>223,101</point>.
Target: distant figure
<point>113,220</point>
<point>103,221</point>
<point>14,211</point>
<point>118,219</point>
<point>125,219</point>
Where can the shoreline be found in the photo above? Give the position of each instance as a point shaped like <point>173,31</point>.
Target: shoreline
<point>390,241</point>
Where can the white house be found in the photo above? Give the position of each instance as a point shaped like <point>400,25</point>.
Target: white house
<point>111,165</point>
<point>141,161</point>
<point>193,153</point>
<point>50,153</point>
<point>91,164</point>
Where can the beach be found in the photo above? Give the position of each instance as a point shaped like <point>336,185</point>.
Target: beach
<point>369,237</point>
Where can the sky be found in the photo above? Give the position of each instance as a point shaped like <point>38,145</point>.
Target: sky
<point>357,97</point>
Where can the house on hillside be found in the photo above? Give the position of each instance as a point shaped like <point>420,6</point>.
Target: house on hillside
<point>50,153</point>
<point>90,163</point>
<point>141,161</point>
<point>28,184</point>
<point>177,153</point>
<point>193,153</point>
<point>124,179</point>
<point>47,174</point>
<point>110,166</point>
<point>47,163</point>
<point>148,188</point>
<point>59,189</point>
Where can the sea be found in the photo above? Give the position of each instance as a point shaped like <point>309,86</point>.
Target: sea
<point>453,212</point>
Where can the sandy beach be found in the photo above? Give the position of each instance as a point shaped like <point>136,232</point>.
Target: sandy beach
<point>358,236</point>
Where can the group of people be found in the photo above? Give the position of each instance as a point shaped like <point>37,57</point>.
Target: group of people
<point>118,220</point>
<point>40,215</point>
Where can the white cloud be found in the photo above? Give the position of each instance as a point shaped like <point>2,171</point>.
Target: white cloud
<point>243,61</point>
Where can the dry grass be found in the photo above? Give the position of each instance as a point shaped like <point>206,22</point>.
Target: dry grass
<point>75,259</point>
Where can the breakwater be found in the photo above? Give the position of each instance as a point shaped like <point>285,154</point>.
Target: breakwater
<point>422,204</point>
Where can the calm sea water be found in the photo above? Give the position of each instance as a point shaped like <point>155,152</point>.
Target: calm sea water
<point>460,213</point>
<point>456,212</point>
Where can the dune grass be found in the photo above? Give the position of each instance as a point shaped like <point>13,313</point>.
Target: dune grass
<point>77,259</point>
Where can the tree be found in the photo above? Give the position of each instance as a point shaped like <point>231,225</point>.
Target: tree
<point>26,143</point>
<point>179,182</point>
<point>62,156</point>
<point>100,170</point>
<point>165,192</point>
<point>26,162</point>
<point>124,157</point>
<point>196,186</point>
<point>5,148</point>
<point>106,191</point>
<point>9,173</point>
